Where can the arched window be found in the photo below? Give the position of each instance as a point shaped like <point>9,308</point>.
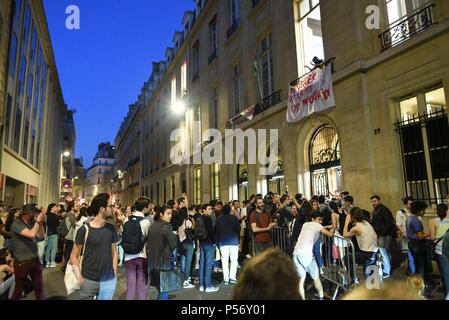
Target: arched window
<point>324,157</point>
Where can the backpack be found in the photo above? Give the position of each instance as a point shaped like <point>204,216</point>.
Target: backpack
<point>62,228</point>
<point>132,237</point>
<point>199,229</point>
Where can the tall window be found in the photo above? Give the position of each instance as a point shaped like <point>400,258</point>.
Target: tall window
<point>8,118</point>
<point>173,89</point>
<point>267,65</point>
<point>213,38</point>
<point>214,109</point>
<point>165,191</point>
<point>398,9</point>
<point>13,55</point>
<point>424,139</point>
<point>235,12</point>
<point>237,101</point>
<point>215,192</point>
<point>196,125</point>
<point>184,79</point>
<point>309,38</point>
<point>157,192</point>
<point>197,186</point>
<point>196,58</point>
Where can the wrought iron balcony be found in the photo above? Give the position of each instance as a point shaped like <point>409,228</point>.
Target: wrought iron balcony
<point>232,29</point>
<point>212,57</point>
<point>260,107</point>
<point>255,3</point>
<point>407,28</point>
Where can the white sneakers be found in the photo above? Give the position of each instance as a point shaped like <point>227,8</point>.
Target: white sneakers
<point>51,264</point>
<point>188,285</point>
<point>212,289</point>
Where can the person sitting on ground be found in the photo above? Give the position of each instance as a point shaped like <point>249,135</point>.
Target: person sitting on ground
<point>9,281</point>
<point>303,254</point>
<point>416,284</point>
<point>258,278</point>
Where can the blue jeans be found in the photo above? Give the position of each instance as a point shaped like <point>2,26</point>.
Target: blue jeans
<point>384,243</point>
<point>186,261</point>
<point>107,289</point>
<point>162,295</point>
<point>206,259</point>
<point>317,254</point>
<point>443,265</point>
<point>52,247</point>
<point>411,262</point>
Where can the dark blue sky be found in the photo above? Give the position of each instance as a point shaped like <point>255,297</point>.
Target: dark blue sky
<point>103,66</point>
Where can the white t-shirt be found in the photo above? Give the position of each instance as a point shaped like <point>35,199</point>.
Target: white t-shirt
<point>182,229</point>
<point>310,233</point>
<point>144,226</point>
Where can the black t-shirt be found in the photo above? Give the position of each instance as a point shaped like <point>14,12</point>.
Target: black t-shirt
<point>97,260</point>
<point>52,223</point>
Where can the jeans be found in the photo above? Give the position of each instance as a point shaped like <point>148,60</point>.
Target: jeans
<point>364,258</point>
<point>443,265</point>
<point>68,251</point>
<point>226,253</point>
<point>411,262</point>
<point>384,243</point>
<point>136,270</point>
<point>317,254</point>
<point>162,295</point>
<point>418,250</point>
<point>52,248</point>
<point>260,247</point>
<point>186,261</point>
<point>107,289</point>
<point>206,259</point>
<point>41,250</point>
<point>29,268</point>
<point>8,287</point>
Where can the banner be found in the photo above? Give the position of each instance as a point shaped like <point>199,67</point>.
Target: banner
<point>313,93</point>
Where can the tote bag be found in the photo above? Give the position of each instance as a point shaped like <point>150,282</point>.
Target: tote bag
<point>70,280</point>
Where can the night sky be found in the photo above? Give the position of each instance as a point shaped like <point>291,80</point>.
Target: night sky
<point>102,66</point>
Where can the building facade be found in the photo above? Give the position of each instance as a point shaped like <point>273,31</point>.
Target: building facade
<point>101,174</point>
<point>127,144</point>
<point>387,135</point>
<point>34,111</point>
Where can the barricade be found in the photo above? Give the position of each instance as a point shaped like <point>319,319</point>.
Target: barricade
<point>338,258</point>
<point>281,239</point>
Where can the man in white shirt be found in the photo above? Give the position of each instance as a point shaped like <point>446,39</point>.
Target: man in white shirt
<point>303,253</point>
<point>136,263</point>
<point>401,218</point>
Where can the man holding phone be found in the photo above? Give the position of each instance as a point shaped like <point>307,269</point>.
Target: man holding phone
<point>25,232</point>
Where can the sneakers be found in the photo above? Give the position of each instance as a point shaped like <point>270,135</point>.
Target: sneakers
<point>188,285</point>
<point>201,288</point>
<point>233,281</point>
<point>226,282</point>
<point>212,289</point>
<point>52,265</point>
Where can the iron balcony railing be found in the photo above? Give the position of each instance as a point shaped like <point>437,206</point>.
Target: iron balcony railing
<point>232,29</point>
<point>407,28</point>
<point>260,107</point>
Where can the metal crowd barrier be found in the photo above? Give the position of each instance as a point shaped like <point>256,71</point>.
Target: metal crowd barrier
<point>338,259</point>
<point>281,239</point>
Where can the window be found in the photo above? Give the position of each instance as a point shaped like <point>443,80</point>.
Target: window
<point>215,192</point>
<point>173,187</point>
<point>157,192</point>
<point>309,38</point>
<point>165,191</point>
<point>98,180</point>
<point>237,102</point>
<point>27,117</point>
<point>8,118</point>
<point>196,127</point>
<point>184,79</point>
<point>197,187</point>
<point>173,90</point>
<point>242,182</point>
<point>196,59</point>
<point>235,12</point>
<point>213,40</point>
<point>13,55</point>
<point>424,139</point>
<point>26,27</point>
<point>267,66</point>
<point>214,109</point>
<point>398,9</point>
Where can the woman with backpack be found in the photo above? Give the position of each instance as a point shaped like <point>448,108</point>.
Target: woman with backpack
<point>187,238</point>
<point>438,227</point>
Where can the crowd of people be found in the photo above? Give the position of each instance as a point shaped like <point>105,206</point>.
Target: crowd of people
<point>151,241</point>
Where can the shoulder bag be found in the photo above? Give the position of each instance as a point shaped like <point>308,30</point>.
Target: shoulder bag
<point>70,280</point>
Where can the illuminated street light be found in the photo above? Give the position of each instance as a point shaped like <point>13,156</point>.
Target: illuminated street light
<point>178,107</point>
<point>66,154</point>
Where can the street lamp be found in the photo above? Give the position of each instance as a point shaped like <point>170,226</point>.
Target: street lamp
<point>178,107</point>
<point>66,154</point>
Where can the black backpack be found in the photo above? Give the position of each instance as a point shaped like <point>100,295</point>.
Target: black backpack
<point>199,229</point>
<point>132,237</point>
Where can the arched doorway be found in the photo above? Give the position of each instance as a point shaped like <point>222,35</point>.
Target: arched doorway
<point>324,157</point>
